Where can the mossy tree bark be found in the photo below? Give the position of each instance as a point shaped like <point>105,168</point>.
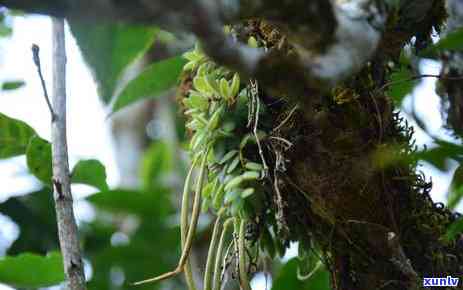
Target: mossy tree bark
<point>373,220</point>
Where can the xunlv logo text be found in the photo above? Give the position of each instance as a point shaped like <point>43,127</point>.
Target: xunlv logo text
<point>441,282</point>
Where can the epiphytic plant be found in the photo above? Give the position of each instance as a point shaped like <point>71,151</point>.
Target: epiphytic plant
<point>222,127</point>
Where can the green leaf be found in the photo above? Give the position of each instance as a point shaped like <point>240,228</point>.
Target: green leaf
<point>90,172</point>
<point>438,155</point>
<point>454,230</point>
<point>39,160</point>
<point>287,279</point>
<point>224,88</point>
<point>5,30</point>
<point>247,192</point>
<point>456,188</point>
<point>196,100</point>
<point>252,42</point>
<point>228,156</point>
<point>452,41</point>
<point>235,86</point>
<point>132,202</point>
<point>233,164</point>
<point>254,166</point>
<point>237,206</point>
<point>234,182</point>
<point>157,165</point>
<point>110,48</point>
<point>35,216</point>
<point>231,195</point>
<point>147,215</point>
<point>32,271</point>
<point>134,259</point>
<point>14,136</point>
<point>401,84</point>
<point>13,85</point>
<point>154,80</point>
<point>267,243</point>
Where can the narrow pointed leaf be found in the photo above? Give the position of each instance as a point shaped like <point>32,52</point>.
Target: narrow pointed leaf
<point>154,80</point>
<point>109,49</point>
<point>13,85</point>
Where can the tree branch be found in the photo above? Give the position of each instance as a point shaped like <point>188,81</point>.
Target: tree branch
<point>36,58</point>
<point>333,41</point>
<point>67,227</point>
<point>357,31</point>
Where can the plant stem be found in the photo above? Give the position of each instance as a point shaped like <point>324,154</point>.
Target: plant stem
<point>211,255</point>
<point>186,248</point>
<point>67,227</point>
<point>220,250</point>
<point>36,58</point>
<point>184,225</point>
<point>244,280</point>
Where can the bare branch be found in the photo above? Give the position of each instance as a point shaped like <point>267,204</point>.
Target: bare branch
<point>36,58</point>
<point>67,227</point>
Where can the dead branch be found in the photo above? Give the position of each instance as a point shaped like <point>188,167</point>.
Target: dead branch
<point>67,227</point>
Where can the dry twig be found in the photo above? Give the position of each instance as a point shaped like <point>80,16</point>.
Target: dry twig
<point>67,227</point>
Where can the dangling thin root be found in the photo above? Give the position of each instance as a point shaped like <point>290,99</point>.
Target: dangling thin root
<point>254,90</point>
<point>304,277</point>
<point>184,224</point>
<point>211,254</point>
<point>227,259</point>
<point>220,249</point>
<point>244,281</point>
<point>191,230</point>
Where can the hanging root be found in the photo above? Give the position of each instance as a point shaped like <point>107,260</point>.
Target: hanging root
<point>211,255</point>
<point>254,116</point>
<point>220,254</point>
<point>244,281</point>
<point>184,224</point>
<point>305,277</point>
<point>186,248</point>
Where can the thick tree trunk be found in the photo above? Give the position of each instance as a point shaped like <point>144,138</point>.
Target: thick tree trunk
<point>374,220</point>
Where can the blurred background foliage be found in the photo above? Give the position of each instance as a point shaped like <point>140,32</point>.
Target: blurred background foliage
<point>134,233</point>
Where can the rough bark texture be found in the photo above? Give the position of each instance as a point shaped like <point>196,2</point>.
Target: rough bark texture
<point>373,220</point>
<point>343,36</point>
<point>67,227</point>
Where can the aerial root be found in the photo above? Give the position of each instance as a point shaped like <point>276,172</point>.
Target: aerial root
<point>188,242</point>
<point>243,275</point>
<point>211,255</point>
<point>164,276</point>
<point>220,253</point>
